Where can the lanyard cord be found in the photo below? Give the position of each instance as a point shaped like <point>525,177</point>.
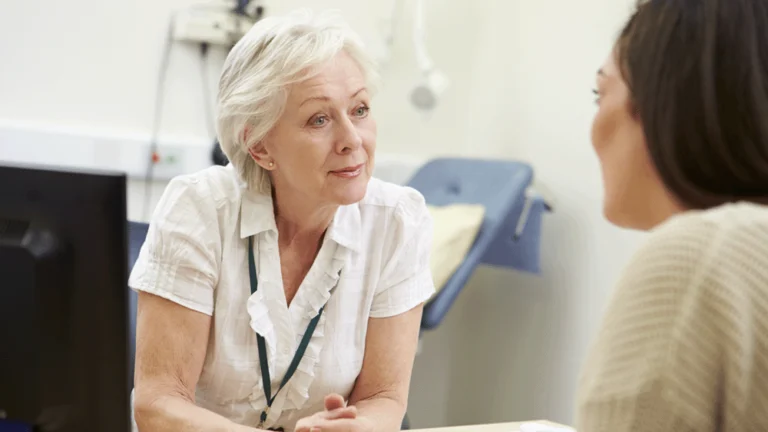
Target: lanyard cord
<point>265,377</point>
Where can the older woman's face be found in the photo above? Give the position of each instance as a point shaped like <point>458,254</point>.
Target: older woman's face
<point>323,145</point>
<point>634,195</point>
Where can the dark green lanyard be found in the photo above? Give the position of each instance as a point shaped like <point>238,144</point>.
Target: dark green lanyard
<point>267,382</point>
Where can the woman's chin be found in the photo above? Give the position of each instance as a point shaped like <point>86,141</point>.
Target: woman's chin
<point>351,193</point>
<point>625,219</point>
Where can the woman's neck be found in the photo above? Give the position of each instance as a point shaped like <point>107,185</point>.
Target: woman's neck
<point>300,219</point>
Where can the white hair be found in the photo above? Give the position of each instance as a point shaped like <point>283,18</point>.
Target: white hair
<point>253,88</point>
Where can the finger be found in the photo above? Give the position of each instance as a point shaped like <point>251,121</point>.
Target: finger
<point>334,401</point>
<point>340,413</point>
<point>338,425</point>
<point>306,424</point>
<point>302,426</point>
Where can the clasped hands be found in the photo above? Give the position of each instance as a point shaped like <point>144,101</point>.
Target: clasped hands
<point>337,417</point>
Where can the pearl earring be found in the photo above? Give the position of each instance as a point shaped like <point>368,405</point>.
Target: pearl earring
<point>271,164</point>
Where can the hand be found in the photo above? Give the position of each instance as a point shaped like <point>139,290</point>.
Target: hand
<point>337,417</point>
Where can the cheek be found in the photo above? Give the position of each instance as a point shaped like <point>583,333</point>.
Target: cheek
<point>619,143</point>
<point>612,139</point>
<point>368,131</point>
<point>369,143</point>
<point>611,149</point>
<point>301,158</point>
<point>602,130</point>
<point>368,134</point>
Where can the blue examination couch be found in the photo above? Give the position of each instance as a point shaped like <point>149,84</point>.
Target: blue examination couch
<point>511,230</point>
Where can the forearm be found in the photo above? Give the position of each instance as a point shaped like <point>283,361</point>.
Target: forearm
<point>385,412</point>
<point>177,413</point>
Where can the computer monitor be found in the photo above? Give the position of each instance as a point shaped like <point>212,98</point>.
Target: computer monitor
<point>63,301</point>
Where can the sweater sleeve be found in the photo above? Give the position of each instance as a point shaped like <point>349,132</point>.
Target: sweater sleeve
<point>655,362</point>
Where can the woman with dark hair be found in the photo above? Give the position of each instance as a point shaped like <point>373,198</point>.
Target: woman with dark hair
<point>682,137</point>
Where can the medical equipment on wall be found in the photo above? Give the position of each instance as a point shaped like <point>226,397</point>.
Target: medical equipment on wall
<point>222,23</point>
<point>219,23</point>
<point>433,82</point>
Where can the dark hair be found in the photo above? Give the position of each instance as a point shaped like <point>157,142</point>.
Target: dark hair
<point>697,71</point>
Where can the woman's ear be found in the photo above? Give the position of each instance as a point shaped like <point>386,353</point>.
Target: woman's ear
<point>260,154</point>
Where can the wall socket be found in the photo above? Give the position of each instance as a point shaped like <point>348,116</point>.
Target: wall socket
<point>169,162</point>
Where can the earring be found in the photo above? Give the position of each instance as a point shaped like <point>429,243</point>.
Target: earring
<point>271,164</point>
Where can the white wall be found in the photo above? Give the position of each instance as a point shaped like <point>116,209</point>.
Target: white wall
<point>522,72</point>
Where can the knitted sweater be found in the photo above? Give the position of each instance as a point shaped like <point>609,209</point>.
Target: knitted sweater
<point>684,342</point>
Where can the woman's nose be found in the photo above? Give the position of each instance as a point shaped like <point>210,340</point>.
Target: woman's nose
<point>349,138</point>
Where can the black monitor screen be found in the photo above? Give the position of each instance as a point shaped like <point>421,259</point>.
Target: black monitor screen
<point>63,301</point>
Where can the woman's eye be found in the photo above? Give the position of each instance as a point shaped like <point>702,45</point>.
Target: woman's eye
<point>362,111</point>
<point>319,121</point>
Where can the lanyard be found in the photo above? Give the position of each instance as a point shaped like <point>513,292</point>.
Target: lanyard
<point>265,378</point>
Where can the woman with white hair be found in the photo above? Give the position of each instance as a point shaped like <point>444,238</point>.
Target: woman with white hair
<point>285,290</point>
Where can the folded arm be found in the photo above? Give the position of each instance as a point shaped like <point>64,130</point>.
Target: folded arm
<point>171,347</point>
<point>381,390</point>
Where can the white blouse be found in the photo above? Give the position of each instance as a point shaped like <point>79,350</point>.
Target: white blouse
<point>373,263</point>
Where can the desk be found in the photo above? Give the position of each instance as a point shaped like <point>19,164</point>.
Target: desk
<point>502,427</point>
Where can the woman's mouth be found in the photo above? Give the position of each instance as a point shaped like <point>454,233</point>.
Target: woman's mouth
<point>349,172</point>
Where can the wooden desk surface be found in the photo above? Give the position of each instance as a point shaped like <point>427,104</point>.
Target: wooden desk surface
<point>501,427</point>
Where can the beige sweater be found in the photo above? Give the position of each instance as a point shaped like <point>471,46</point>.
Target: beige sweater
<point>684,343</point>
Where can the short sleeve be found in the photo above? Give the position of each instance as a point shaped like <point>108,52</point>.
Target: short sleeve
<point>406,279</point>
<point>180,258</point>
<point>654,364</point>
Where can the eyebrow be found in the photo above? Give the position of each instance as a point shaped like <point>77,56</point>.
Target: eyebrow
<point>326,98</point>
